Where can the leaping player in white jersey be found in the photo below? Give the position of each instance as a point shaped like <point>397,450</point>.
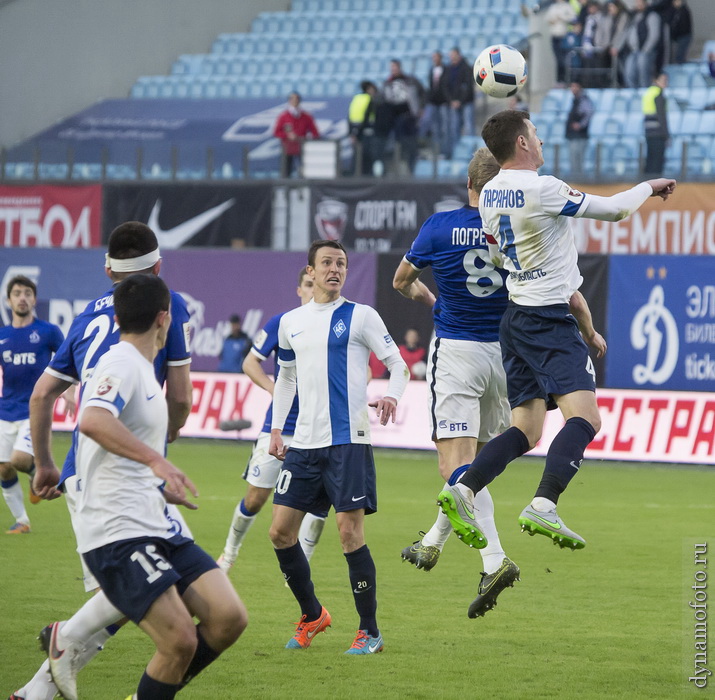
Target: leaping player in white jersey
<point>546,359</point>
<point>324,348</point>
<point>467,384</point>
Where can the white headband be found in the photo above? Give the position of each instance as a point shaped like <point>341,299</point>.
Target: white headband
<point>132,264</point>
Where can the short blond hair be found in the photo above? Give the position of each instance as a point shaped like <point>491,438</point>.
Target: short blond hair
<point>482,168</point>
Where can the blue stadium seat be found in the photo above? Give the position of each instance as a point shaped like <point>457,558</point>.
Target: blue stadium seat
<point>707,122</point>
<point>556,100</point>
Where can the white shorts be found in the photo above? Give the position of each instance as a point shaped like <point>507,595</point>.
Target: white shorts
<point>262,469</point>
<point>467,389</point>
<point>14,436</point>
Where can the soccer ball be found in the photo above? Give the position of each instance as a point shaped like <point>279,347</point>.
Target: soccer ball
<point>500,70</point>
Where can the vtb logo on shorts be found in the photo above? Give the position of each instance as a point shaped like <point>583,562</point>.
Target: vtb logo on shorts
<point>453,427</point>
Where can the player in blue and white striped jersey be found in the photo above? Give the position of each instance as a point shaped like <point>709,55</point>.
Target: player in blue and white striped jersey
<point>545,357</point>
<point>323,349</point>
<point>26,346</point>
<point>467,385</point>
<point>262,469</point>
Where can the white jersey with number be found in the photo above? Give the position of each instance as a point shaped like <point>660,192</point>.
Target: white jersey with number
<point>329,345</point>
<point>528,215</point>
<point>118,498</point>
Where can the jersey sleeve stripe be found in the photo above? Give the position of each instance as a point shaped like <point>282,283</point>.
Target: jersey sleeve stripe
<point>571,208</point>
<point>114,407</point>
<point>179,363</point>
<point>59,375</point>
<point>286,355</point>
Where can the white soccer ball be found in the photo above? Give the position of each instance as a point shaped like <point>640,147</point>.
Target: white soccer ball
<point>500,70</point>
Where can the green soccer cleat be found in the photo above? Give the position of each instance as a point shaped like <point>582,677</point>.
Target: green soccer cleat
<point>548,523</point>
<point>461,515</point>
<point>491,586</point>
<point>422,557</point>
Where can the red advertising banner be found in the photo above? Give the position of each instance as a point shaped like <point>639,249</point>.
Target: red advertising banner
<point>683,225</point>
<point>51,216</point>
<point>642,426</point>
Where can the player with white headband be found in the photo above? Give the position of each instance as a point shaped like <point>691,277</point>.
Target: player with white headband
<point>132,248</point>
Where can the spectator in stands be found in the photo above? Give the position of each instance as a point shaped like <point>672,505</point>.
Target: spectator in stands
<point>577,124</point>
<point>435,118</point>
<point>414,354</point>
<point>559,15</point>
<point>459,83</point>
<point>572,52</point>
<point>610,38</point>
<point>404,94</point>
<point>361,120</point>
<point>643,38</point>
<point>655,122</point>
<point>292,128</point>
<point>680,21</point>
<point>591,72</point>
<point>235,348</point>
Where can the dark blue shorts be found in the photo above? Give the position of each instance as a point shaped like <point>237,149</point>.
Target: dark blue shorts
<point>134,573</point>
<point>543,354</point>
<point>341,475</point>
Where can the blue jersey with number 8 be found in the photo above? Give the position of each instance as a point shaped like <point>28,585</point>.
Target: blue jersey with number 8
<point>472,294</point>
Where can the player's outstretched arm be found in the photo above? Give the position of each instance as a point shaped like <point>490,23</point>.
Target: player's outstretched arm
<point>623,204</point>
<point>406,282</point>
<point>579,308</point>
<point>276,446</point>
<point>109,432</point>
<point>179,396</point>
<point>47,390</point>
<point>253,370</point>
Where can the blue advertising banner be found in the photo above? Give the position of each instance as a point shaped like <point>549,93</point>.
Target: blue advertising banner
<point>115,129</point>
<point>661,323</point>
<point>215,285</point>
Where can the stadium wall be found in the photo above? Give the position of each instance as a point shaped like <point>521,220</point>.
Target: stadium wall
<point>59,57</point>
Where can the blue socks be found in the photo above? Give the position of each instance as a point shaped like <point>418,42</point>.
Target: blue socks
<point>564,457</point>
<point>493,458</point>
<point>363,580</point>
<point>150,689</point>
<point>296,571</point>
<point>203,656</point>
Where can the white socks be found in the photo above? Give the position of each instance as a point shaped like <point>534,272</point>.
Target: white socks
<point>240,525</point>
<point>90,620</point>
<point>15,502</point>
<point>439,532</point>
<point>543,504</point>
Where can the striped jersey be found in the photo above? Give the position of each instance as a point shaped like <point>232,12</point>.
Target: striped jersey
<point>329,345</point>
<point>528,215</point>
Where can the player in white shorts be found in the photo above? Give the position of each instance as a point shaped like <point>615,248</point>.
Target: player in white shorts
<point>26,346</point>
<point>467,385</point>
<point>263,468</point>
<point>542,334</point>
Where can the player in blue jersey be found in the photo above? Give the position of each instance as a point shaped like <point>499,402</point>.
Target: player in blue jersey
<point>467,385</point>
<point>132,248</point>
<point>262,469</point>
<point>26,346</point>
<point>545,356</point>
<point>323,350</point>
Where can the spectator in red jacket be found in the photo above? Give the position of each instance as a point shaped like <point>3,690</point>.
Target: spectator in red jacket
<point>293,127</point>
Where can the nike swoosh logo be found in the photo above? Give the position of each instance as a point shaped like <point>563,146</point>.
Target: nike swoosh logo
<point>2,342</point>
<point>178,235</point>
<point>556,526</point>
<point>574,464</point>
<point>362,590</point>
<point>358,499</point>
<point>149,398</point>
<point>374,646</point>
<point>311,633</point>
<point>293,335</point>
<point>470,513</point>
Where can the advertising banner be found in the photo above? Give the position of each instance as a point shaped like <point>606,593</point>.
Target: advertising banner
<point>50,216</point>
<point>661,323</point>
<point>642,426</point>
<point>379,216</point>
<point>157,131</point>
<point>195,214</point>
<point>682,225</point>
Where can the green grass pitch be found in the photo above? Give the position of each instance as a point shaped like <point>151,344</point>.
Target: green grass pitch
<point>609,621</point>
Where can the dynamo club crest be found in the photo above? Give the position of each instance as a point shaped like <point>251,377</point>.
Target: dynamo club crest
<point>331,216</point>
